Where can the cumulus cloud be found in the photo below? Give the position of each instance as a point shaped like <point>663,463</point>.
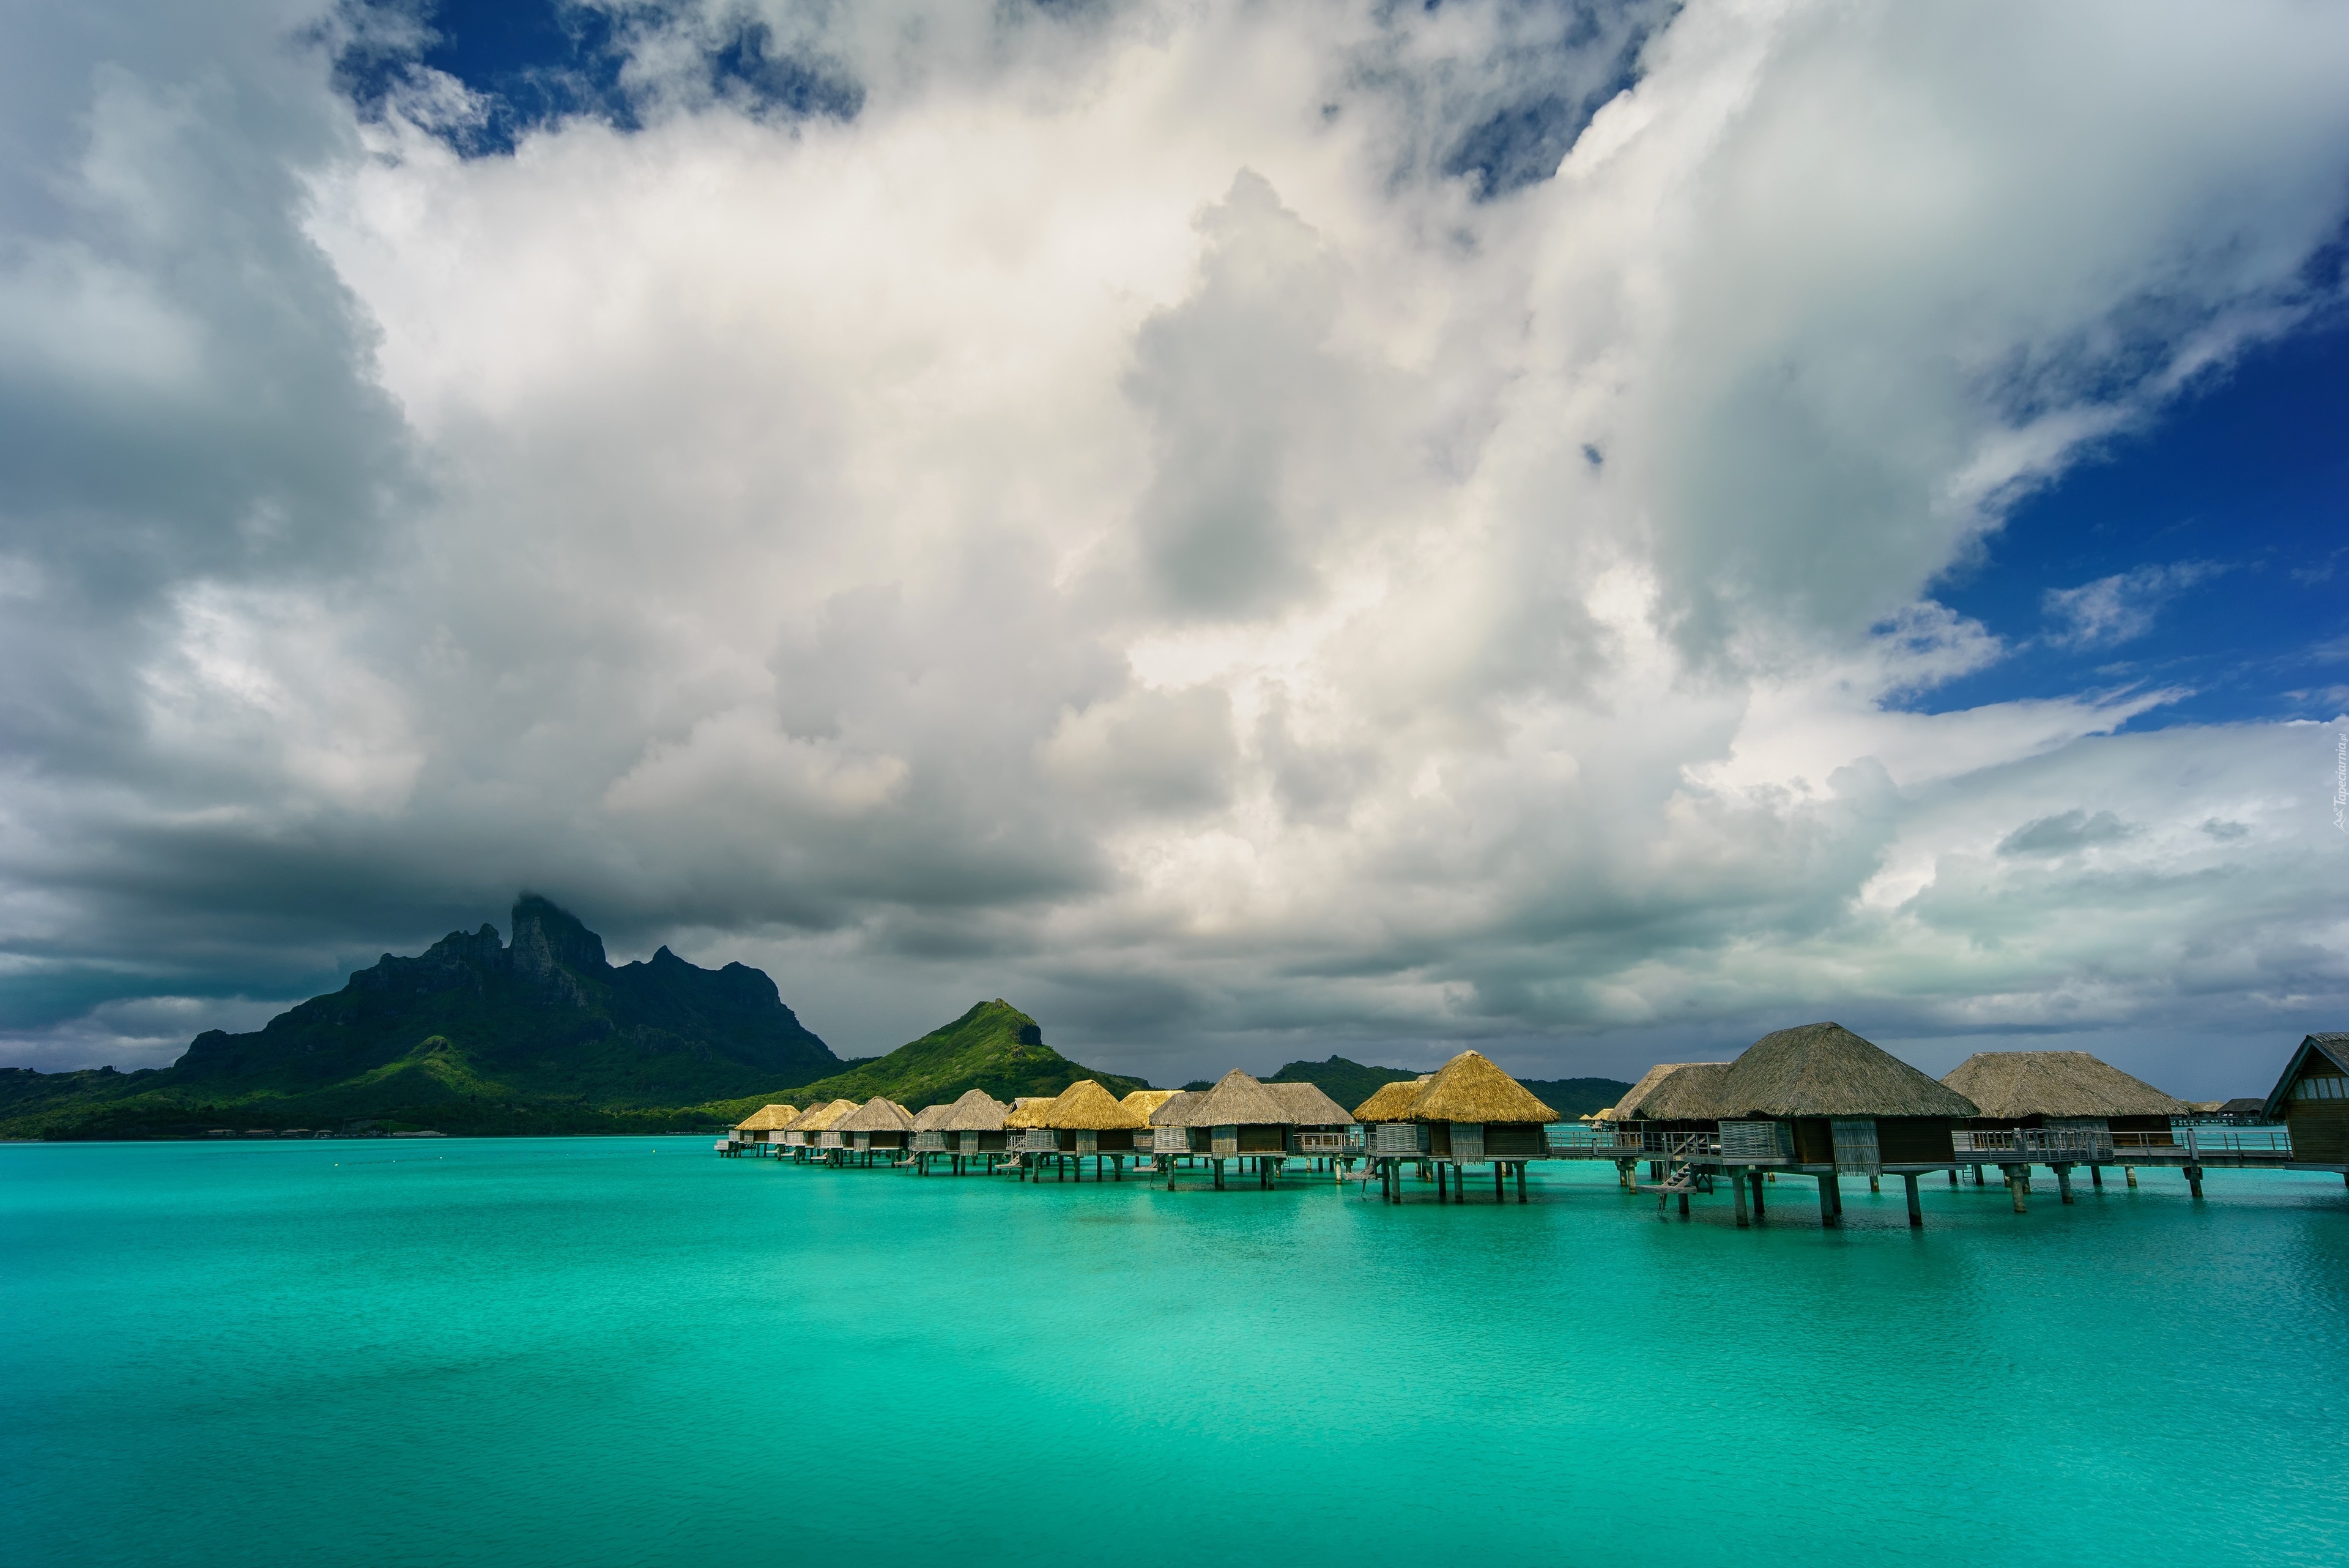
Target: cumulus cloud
<point>1327,528</point>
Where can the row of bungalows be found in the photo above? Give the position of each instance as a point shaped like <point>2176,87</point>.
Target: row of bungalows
<point>1818,1100</point>
<point>804,1135</point>
<point>971,1128</point>
<point>1468,1112</point>
<point>1259,1126</point>
<point>1083,1121</point>
<point>759,1132</point>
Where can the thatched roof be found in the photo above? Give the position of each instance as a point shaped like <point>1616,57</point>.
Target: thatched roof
<point>1392,1102</point>
<point>1307,1106</point>
<point>1176,1111</point>
<point>1085,1107</point>
<point>1028,1111</point>
<point>817,1118</point>
<point>1672,1092</point>
<point>927,1118</point>
<point>1470,1088</point>
<point>2056,1083</point>
<point>878,1113</point>
<point>1825,1070</point>
<point>1148,1100</point>
<point>767,1118</point>
<point>1239,1100</point>
<point>977,1111</point>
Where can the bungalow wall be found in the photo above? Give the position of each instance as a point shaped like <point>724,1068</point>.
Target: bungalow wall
<point>1914,1140</point>
<point>2316,1112</point>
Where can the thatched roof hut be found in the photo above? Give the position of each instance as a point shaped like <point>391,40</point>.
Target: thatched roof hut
<point>1307,1106</point>
<point>977,1111</point>
<point>1028,1111</point>
<point>879,1114</point>
<point>810,1127</point>
<point>1392,1102</point>
<point>1669,1090</point>
<point>1146,1101</point>
<point>819,1115</point>
<point>971,1125</point>
<point>879,1123</point>
<point>767,1118</point>
<point>1175,1111</point>
<point>1471,1089</point>
<point>1825,1070</point>
<point>1239,1100</point>
<point>1085,1107</point>
<point>2022,1088</point>
<point>1238,1118</point>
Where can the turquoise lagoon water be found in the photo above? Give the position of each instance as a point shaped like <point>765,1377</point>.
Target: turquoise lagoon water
<point>518,1352</point>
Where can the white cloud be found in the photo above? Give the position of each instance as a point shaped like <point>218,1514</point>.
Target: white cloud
<point>2121,607</point>
<point>1114,525</point>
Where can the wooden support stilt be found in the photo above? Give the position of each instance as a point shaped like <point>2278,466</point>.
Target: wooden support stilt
<point>1876,1181</point>
<point>2062,1182</point>
<point>1443,1186</point>
<point>1737,1194</point>
<point>1977,1175</point>
<point>2021,1188</point>
<point>1759,1182</point>
<point>1916,1206</point>
<point>1500,1176</point>
<point>1953,1175</point>
<point>2194,1180</point>
<point>1521,1181</point>
<point>1683,1203</point>
<point>1827,1205</point>
<point>2097,1177</point>
<point>2129,1171</point>
<point>1219,1176</point>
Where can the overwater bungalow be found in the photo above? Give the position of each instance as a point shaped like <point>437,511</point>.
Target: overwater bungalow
<point>760,1132</point>
<point>1469,1111</point>
<point>1147,1102</point>
<point>804,1138</point>
<point>1321,1132</point>
<point>879,1126</point>
<point>1392,1102</point>
<point>1817,1100</point>
<point>970,1128</point>
<point>1086,1121</point>
<point>2062,1103</point>
<point>2312,1100</point>
<point>1239,1119</point>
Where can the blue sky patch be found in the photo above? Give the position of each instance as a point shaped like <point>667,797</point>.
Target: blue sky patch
<point>2211,552</point>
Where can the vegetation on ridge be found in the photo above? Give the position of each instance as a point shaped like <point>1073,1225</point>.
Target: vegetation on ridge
<point>994,1046</point>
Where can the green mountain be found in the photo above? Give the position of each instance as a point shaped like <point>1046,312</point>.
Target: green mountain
<point>1350,1083</point>
<point>544,1034</point>
<point>994,1046</point>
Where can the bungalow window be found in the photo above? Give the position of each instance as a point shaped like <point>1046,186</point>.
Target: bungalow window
<point>2321,1089</point>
